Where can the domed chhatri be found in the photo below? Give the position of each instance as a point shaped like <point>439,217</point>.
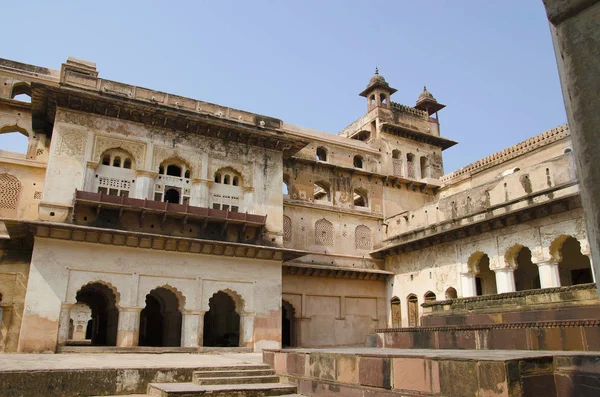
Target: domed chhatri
<point>377,81</point>
<point>428,103</point>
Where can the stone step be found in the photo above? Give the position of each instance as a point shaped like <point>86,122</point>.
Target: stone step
<point>193,390</point>
<point>236,380</point>
<point>233,373</point>
<point>238,367</point>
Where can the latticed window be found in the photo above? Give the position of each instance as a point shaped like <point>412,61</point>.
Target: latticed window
<point>324,233</point>
<point>362,236</point>
<point>397,167</point>
<point>9,192</point>
<point>114,186</point>
<point>287,229</point>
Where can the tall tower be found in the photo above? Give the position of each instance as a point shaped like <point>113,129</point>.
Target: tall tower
<point>378,92</point>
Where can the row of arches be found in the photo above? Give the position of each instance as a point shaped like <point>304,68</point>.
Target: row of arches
<point>423,171</point>
<point>568,266</point>
<point>324,234</point>
<point>323,193</point>
<point>412,306</point>
<point>160,321</point>
<point>322,154</point>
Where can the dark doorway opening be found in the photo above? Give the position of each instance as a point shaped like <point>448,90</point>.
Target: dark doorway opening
<point>105,315</point>
<point>88,330</point>
<point>160,320</point>
<point>288,325</point>
<point>172,196</point>
<point>222,322</point>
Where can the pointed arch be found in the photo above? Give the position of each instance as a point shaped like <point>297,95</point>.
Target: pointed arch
<point>511,255</point>
<point>115,293</point>
<point>451,293</point>
<point>473,261</point>
<point>556,246</point>
<point>429,296</point>
<point>230,171</point>
<point>396,310</point>
<point>21,88</point>
<point>181,299</point>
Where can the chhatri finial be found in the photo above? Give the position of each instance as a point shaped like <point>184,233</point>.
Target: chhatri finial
<point>424,88</point>
<point>376,70</point>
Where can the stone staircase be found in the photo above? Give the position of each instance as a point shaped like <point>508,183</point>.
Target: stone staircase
<point>234,381</point>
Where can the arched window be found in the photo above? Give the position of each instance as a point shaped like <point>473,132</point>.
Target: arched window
<point>287,229</point>
<point>424,167</point>
<point>430,297</point>
<point>106,159</point>
<point>127,163</point>
<point>114,173</point>
<point>396,312</point>
<point>174,170</point>
<point>568,150</point>
<point>362,238</point>
<point>322,191</point>
<point>451,293</point>
<point>383,99</point>
<point>396,154</point>
<point>227,193</point>
<point>117,161</point>
<point>361,198</point>
<point>324,233</point>
<point>372,100</point>
<point>235,181</point>
<point>285,188</point>
<point>413,310</point>
<point>187,174</point>
<point>226,179</point>
<point>358,161</point>
<point>217,177</point>
<point>321,154</point>
<point>21,92</point>
<point>161,170</point>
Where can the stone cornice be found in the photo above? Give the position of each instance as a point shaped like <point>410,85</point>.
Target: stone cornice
<point>309,270</point>
<point>331,208</point>
<point>95,235</point>
<point>512,152</point>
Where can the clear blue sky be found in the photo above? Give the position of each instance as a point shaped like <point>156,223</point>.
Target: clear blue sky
<point>491,62</point>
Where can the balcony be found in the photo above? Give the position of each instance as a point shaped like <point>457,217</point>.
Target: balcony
<point>121,212</point>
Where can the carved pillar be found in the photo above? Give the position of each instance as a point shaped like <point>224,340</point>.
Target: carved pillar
<point>144,185</point>
<point>549,276</point>
<point>201,314</point>
<point>200,194</point>
<point>63,323</point>
<point>128,330</point>
<point>505,280</point>
<point>468,286</point>
<point>190,330</point>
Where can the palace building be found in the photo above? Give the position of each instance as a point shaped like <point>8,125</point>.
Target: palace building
<point>141,218</point>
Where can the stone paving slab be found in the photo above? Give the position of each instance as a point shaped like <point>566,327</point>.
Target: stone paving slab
<point>28,362</point>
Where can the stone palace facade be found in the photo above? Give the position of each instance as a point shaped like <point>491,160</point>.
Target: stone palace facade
<point>142,218</point>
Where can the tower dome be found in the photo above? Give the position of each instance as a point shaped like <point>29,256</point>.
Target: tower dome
<point>377,81</point>
<point>428,103</point>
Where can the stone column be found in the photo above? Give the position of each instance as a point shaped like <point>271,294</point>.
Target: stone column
<point>592,266</point>
<point>576,37</point>
<point>144,185</point>
<point>549,276</point>
<point>505,280</point>
<point>190,330</point>
<point>128,331</point>
<point>200,194</point>
<point>63,323</point>
<point>468,286</point>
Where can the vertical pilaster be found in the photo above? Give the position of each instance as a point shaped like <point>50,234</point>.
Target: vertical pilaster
<point>144,184</point>
<point>190,332</point>
<point>468,286</point>
<point>128,330</point>
<point>63,323</point>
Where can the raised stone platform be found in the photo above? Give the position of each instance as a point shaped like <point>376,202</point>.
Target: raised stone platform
<point>377,372</point>
<point>71,375</point>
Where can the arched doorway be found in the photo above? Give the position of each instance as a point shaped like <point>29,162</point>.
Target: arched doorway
<point>105,315</point>
<point>172,196</point>
<point>160,320</point>
<point>288,325</point>
<point>527,275</point>
<point>485,282</point>
<point>222,322</point>
<point>451,293</point>
<point>574,268</point>
<point>413,310</point>
<point>396,312</point>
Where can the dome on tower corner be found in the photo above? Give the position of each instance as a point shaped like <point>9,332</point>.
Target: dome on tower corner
<point>426,95</point>
<point>377,81</point>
